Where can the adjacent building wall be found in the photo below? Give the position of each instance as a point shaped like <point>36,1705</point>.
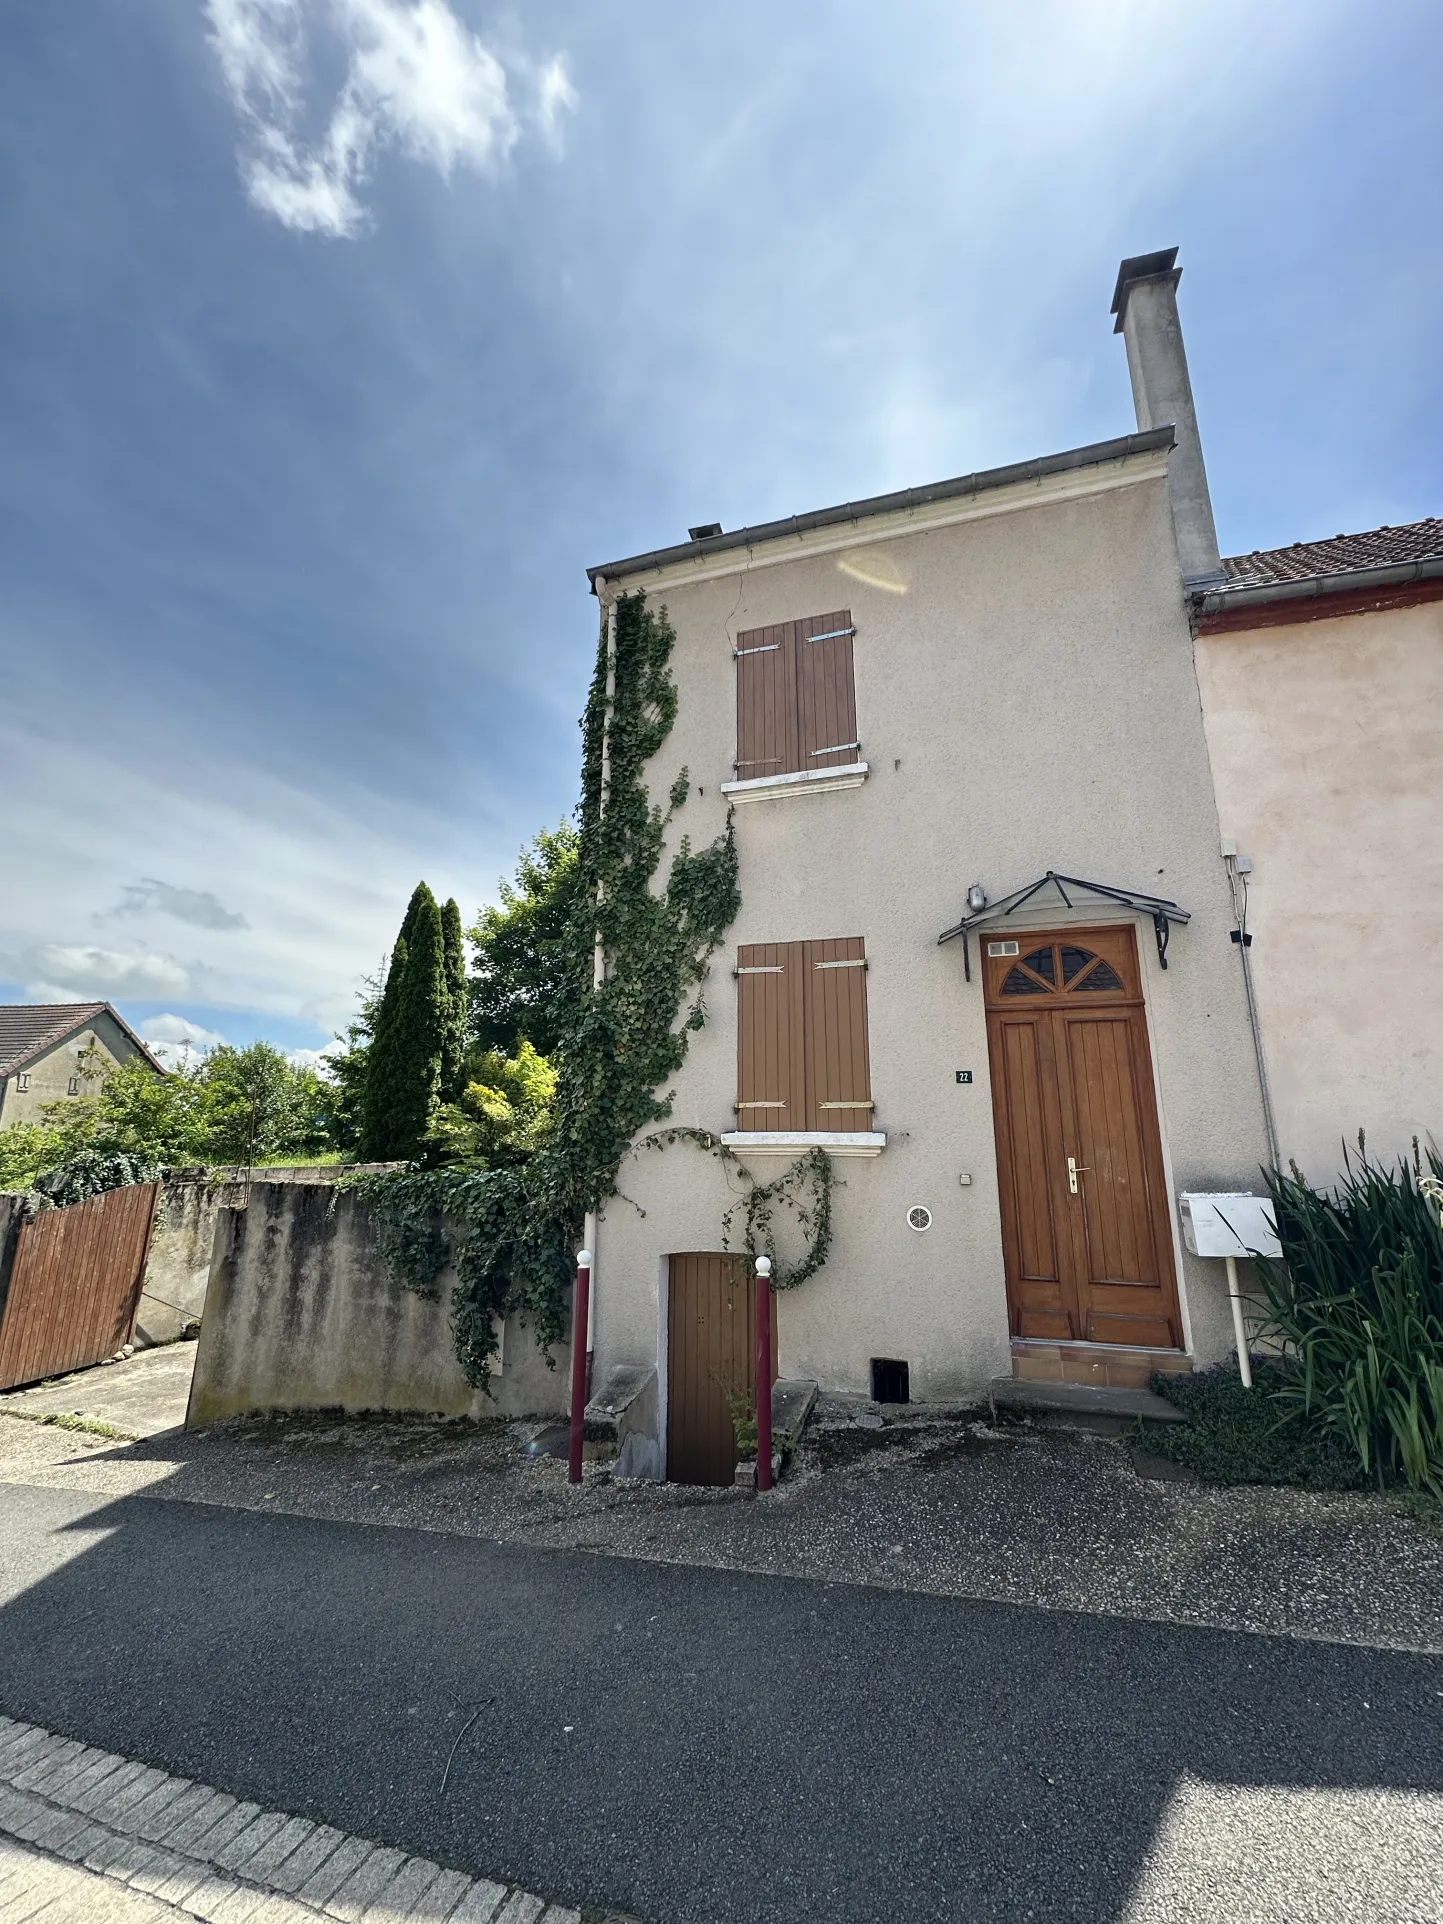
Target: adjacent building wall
<point>302,1312</point>
<point>1326,740</point>
<point>50,1076</point>
<point>1026,700</point>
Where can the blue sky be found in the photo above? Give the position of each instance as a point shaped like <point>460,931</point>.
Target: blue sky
<point>338,336</point>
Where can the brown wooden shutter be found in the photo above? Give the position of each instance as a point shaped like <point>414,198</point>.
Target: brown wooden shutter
<point>770,982</point>
<point>767,701</point>
<point>826,696</point>
<point>838,1072</point>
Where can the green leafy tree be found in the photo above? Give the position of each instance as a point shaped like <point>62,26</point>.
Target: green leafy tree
<point>343,1076</point>
<point>505,1114</point>
<point>453,1051</point>
<point>127,1109</point>
<point>259,1106</point>
<point>25,1149</point>
<point>526,985</point>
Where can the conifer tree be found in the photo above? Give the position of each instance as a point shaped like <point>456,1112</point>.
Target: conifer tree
<point>376,1122</point>
<point>453,1053</point>
<point>420,1030</point>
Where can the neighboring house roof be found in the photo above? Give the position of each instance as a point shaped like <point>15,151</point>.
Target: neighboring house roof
<point>1342,554</point>
<point>31,1029</point>
<point>982,482</point>
<point>1349,574</point>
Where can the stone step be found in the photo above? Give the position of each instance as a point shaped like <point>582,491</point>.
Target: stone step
<point>1082,1400</point>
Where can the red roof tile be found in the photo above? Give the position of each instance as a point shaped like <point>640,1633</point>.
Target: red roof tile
<point>28,1029</point>
<point>1343,554</point>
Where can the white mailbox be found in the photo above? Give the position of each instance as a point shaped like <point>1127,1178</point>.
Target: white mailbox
<point>1229,1224</point>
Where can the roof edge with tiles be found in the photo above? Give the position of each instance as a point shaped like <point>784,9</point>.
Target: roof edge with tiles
<point>24,1041</point>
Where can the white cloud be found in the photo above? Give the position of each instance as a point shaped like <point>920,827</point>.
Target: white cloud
<point>314,1058</point>
<point>555,97</point>
<point>52,969</point>
<point>415,77</point>
<point>174,1038</point>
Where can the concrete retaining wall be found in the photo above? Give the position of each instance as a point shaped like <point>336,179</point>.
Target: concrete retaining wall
<point>177,1269</point>
<point>302,1312</point>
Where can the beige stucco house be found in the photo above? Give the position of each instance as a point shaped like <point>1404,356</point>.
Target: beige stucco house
<point>919,706</point>
<point>1321,670</point>
<point>41,1044</point>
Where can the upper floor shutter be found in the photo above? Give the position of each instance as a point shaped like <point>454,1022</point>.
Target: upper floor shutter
<point>826,695</point>
<point>838,1069</point>
<point>769,1035</point>
<point>766,701</point>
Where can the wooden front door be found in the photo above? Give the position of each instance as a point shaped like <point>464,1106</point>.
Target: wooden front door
<point>1086,1227</point>
<point>711,1353</point>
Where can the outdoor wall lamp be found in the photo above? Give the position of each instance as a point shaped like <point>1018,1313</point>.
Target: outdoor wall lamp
<point>976,898</point>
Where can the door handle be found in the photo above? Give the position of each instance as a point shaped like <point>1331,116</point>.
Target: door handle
<point>1074,1170</point>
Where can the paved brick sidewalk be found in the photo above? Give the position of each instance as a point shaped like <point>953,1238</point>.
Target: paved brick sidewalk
<point>97,1838</point>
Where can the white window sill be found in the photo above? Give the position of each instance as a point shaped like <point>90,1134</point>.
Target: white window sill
<point>805,781</point>
<point>792,1142</point>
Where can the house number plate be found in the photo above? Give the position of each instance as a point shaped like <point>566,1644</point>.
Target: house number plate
<point>964,1075</point>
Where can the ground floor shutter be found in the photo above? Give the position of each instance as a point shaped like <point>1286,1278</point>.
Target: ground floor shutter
<point>802,1058</point>
<point>769,1035</point>
<point>839,1079</point>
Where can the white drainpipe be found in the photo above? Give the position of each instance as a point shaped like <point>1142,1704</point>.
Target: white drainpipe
<point>589,1234</point>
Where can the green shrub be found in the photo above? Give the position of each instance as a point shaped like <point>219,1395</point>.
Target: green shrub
<point>89,1172</point>
<point>1235,1435</point>
<point>1356,1306</point>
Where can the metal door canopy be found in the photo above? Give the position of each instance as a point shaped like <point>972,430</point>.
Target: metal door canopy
<point>1163,912</point>
<point>1228,1223</point>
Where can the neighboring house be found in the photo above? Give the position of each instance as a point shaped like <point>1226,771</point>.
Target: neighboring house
<point>1321,669</point>
<point>918,705</point>
<point>40,1048</point>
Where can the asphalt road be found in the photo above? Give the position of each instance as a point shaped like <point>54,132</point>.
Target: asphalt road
<point>692,1744</point>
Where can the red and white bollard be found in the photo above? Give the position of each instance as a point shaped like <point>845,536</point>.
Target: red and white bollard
<point>580,1324</point>
<point>764,1373</point>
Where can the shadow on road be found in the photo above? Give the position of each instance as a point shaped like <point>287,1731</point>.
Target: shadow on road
<point>689,1744</point>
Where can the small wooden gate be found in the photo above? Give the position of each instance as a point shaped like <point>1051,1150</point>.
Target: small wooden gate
<point>75,1284</point>
<point>711,1350</point>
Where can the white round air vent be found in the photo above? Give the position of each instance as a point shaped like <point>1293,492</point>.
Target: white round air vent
<point>919,1218</point>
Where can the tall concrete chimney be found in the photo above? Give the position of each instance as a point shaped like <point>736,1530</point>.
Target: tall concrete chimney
<point>1145,303</point>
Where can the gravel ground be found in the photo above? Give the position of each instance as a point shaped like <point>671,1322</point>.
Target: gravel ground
<point>934,1503</point>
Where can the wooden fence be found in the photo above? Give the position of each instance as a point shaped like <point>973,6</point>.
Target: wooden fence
<point>74,1284</point>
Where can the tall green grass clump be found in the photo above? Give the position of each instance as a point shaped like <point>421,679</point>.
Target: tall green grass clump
<point>1357,1307</point>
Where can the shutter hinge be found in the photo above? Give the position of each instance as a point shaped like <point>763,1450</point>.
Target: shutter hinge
<point>859,962</point>
<point>764,1105</point>
<point>766,968</point>
<point>768,648</point>
<point>831,634</point>
<point>835,749</point>
<point>846,1105</point>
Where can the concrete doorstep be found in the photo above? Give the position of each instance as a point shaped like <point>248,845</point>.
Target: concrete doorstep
<point>101,1839</point>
